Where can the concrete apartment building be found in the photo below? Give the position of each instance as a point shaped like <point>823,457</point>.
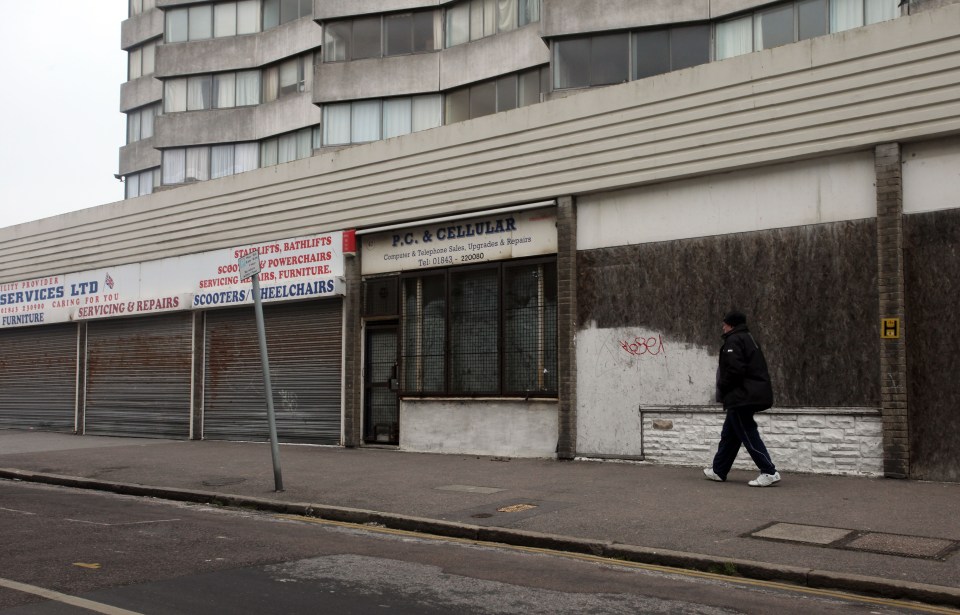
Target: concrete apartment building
<point>510,227</point>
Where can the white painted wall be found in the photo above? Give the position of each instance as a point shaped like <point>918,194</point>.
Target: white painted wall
<point>808,192</point>
<point>821,441</point>
<point>511,428</point>
<point>931,175</point>
<point>613,381</point>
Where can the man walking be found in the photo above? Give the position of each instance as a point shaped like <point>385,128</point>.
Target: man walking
<point>743,386</point>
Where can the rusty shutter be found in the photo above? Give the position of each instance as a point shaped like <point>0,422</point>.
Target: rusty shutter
<point>304,346</point>
<point>38,377</point>
<point>139,376</point>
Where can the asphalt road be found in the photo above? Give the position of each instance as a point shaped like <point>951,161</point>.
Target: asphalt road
<point>125,554</point>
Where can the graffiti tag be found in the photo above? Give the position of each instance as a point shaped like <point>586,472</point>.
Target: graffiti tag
<point>644,346</point>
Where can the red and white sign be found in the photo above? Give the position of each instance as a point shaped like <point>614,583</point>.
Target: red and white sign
<point>291,269</point>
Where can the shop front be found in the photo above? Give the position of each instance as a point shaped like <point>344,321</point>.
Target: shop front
<point>460,334</point>
<point>168,348</point>
<point>38,374</point>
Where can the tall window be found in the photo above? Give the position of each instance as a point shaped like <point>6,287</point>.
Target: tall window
<point>141,6</point>
<point>276,12</point>
<point>289,147</point>
<point>596,60</point>
<point>203,162</point>
<point>141,60</point>
<point>240,89</point>
<point>669,49</point>
<point>847,14</point>
<point>501,94</point>
<point>140,122</point>
<point>484,330</point>
<point>204,21</point>
<point>370,120</point>
<point>607,59</point>
<point>292,76</point>
<point>796,21</point>
<point>380,36</point>
<point>471,20</point>
<point>142,183</point>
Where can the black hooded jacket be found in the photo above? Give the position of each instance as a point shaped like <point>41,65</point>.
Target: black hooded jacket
<point>743,382</point>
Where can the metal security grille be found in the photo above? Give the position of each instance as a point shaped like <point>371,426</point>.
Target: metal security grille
<point>474,318</point>
<point>304,347</point>
<point>487,330</point>
<point>139,376</point>
<point>38,377</point>
<point>380,297</point>
<point>530,325</point>
<point>381,412</point>
<point>424,334</point>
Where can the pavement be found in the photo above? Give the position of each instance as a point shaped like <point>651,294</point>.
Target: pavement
<point>894,538</point>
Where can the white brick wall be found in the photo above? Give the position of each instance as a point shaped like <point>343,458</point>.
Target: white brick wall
<point>827,440</point>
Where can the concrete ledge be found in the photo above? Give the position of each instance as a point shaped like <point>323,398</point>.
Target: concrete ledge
<point>889,588</point>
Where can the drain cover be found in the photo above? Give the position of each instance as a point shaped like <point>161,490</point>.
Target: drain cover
<point>909,546</point>
<point>811,534</point>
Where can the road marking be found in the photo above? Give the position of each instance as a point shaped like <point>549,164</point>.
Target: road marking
<point>785,587</point>
<point>121,524</point>
<point>90,566</point>
<point>49,594</point>
<point>22,512</point>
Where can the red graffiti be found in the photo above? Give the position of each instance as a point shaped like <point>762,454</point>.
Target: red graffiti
<point>644,346</point>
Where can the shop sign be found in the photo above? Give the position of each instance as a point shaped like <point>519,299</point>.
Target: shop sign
<point>298,268</point>
<point>462,242</point>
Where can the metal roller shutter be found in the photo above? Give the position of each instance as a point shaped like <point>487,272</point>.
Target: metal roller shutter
<point>304,345</point>
<point>139,376</point>
<point>38,377</point>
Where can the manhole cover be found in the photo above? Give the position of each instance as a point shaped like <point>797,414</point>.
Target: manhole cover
<point>811,534</point>
<point>857,540</point>
<point>893,544</point>
<point>516,508</point>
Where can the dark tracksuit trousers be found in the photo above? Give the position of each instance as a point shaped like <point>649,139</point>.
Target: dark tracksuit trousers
<point>740,428</point>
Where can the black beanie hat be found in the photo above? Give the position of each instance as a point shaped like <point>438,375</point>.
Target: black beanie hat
<point>735,318</point>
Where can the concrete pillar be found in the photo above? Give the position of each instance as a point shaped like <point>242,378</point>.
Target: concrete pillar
<point>567,326</point>
<point>352,351</point>
<point>893,356</point>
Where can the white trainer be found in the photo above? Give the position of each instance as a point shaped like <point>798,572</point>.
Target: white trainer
<point>709,473</point>
<point>765,480</point>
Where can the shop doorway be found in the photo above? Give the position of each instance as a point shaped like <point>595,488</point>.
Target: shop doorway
<point>381,402</point>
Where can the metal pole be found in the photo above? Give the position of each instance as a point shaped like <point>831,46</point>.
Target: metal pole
<point>265,362</point>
